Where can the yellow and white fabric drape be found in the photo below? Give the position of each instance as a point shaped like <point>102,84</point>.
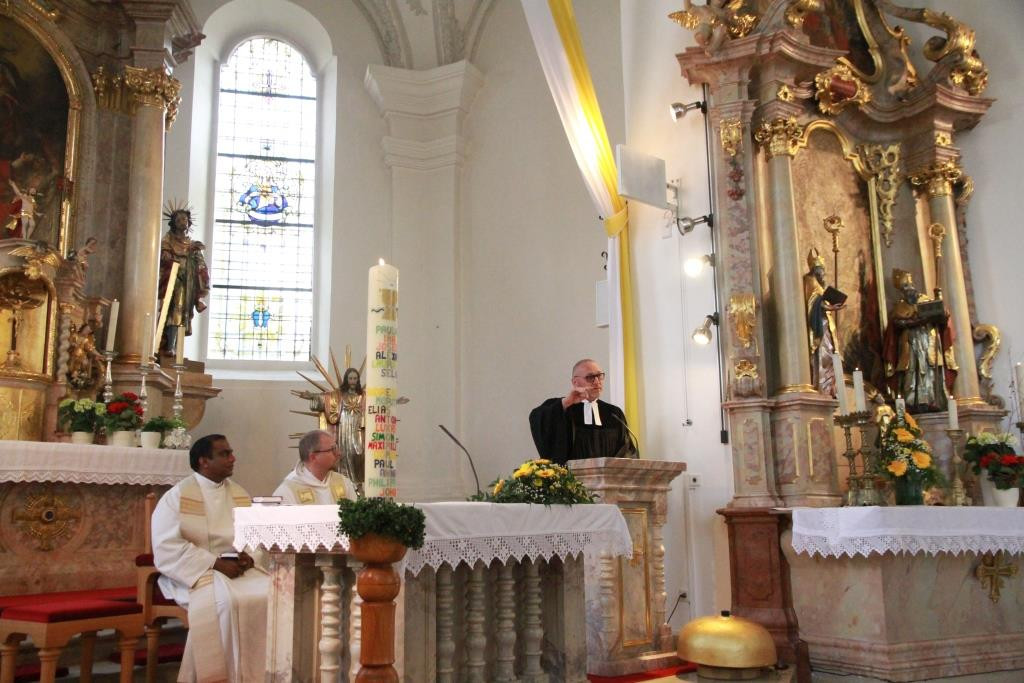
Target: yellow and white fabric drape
<point>553,27</point>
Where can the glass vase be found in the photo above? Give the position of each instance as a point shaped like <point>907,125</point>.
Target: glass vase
<point>908,490</point>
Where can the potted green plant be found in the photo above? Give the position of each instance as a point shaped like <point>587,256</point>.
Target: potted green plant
<point>156,427</point>
<point>380,530</point>
<point>123,417</point>
<point>80,417</point>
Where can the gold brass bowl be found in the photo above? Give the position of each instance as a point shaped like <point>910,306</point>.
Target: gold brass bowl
<point>726,647</point>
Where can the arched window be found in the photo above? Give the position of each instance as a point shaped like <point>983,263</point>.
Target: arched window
<point>262,256</point>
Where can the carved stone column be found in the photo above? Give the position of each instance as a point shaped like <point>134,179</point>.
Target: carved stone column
<point>778,138</point>
<point>425,112</point>
<point>636,637</point>
<point>937,180</point>
<point>152,90</point>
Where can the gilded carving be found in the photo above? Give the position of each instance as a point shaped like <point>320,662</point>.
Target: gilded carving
<point>743,314</point>
<point>936,231</point>
<point>943,138</point>
<point>838,88</point>
<point>779,137</point>
<point>731,133</point>
<point>745,369</point>
<point>937,178</point>
<point>994,341</point>
<point>746,379</point>
<point>991,572</point>
<point>48,519</point>
<point>712,24</point>
<point>797,11</point>
<point>785,93</point>
<point>967,70</point>
<point>136,87</point>
<point>883,162</point>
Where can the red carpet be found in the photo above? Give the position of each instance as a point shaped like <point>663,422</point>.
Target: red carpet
<point>645,676</point>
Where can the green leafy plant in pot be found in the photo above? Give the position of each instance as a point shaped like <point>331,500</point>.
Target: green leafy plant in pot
<point>379,529</point>
<point>82,415</point>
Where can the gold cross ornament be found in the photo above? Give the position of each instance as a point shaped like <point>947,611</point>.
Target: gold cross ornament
<point>990,572</point>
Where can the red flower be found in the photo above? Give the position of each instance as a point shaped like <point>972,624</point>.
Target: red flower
<point>1008,460</point>
<point>1020,459</point>
<point>138,410</point>
<point>130,396</point>
<point>116,407</point>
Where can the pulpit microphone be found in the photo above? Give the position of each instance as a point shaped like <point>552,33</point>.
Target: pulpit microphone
<point>468,457</point>
<point>632,436</point>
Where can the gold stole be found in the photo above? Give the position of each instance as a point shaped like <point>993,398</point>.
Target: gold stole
<point>203,624</point>
<point>307,496</point>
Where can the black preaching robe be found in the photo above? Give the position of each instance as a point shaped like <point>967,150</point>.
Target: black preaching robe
<point>560,435</point>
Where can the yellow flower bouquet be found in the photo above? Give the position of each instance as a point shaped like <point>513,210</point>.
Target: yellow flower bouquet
<point>538,481</point>
<point>905,458</point>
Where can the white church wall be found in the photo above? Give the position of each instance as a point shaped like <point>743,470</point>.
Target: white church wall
<point>680,377</point>
<point>532,243</point>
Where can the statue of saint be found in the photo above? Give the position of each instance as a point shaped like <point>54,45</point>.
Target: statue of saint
<point>350,423</point>
<point>821,326</point>
<point>192,283</point>
<point>85,364</point>
<point>918,348</point>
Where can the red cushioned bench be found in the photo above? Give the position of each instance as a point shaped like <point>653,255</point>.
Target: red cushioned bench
<point>51,620</point>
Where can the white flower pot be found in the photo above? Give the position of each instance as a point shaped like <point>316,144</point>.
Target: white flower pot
<point>81,437</point>
<point>1003,498</point>
<point>151,439</point>
<point>122,438</point>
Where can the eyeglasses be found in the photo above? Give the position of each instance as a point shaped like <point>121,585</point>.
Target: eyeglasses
<point>595,377</point>
<point>333,448</point>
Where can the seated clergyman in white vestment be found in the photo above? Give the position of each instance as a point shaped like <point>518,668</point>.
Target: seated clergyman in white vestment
<point>314,481</point>
<point>225,593</point>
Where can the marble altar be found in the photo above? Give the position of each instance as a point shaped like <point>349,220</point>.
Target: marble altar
<point>74,515</point>
<point>495,594</point>
<point>909,593</point>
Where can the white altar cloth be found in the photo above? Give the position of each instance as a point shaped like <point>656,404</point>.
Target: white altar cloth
<point>47,461</point>
<point>834,532</point>
<point>455,532</point>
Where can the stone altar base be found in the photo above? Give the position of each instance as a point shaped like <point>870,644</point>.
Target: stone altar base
<point>906,617</point>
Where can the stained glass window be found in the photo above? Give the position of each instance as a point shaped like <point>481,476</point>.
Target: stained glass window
<point>261,304</point>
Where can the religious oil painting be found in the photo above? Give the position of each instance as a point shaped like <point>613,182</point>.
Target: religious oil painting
<point>826,184</point>
<point>33,135</point>
<point>837,27</point>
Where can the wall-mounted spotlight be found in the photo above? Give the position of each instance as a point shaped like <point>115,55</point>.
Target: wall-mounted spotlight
<point>702,335</point>
<point>694,265</point>
<point>687,224</point>
<point>678,109</point>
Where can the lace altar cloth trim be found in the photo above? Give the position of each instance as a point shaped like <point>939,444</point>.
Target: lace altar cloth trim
<point>455,532</point>
<point>41,461</point>
<point>850,531</point>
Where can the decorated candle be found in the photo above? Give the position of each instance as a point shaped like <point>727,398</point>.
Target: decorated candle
<point>858,391</point>
<point>115,306</point>
<point>844,400</point>
<point>954,417</point>
<point>381,382</point>
<point>179,346</point>
<point>901,405</point>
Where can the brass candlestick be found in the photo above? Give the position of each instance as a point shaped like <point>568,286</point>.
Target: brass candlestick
<point>870,494</point>
<point>959,493</point>
<point>144,369</point>
<point>108,380</point>
<point>852,480</point>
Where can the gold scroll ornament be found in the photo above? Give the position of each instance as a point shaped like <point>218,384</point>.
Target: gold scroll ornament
<point>779,137</point>
<point>837,88</point>
<point>730,131</point>
<point>743,315</point>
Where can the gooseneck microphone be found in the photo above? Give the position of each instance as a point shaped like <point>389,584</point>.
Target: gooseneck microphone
<point>468,457</point>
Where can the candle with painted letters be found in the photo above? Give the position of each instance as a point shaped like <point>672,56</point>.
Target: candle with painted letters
<point>858,391</point>
<point>381,382</point>
<point>844,400</point>
<point>115,306</point>
<point>954,417</point>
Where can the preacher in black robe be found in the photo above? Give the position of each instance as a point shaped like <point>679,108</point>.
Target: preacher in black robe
<point>561,435</point>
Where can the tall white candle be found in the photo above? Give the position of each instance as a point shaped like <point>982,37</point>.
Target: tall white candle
<point>858,391</point>
<point>147,338</point>
<point>954,417</point>
<point>381,382</point>
<point>115,306</point>
<point>844,400</point>
<point>1019,372</point>
<point>179,346</point>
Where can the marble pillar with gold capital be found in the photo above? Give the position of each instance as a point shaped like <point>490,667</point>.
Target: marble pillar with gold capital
<point>937,181</point>
<point>152,92</point>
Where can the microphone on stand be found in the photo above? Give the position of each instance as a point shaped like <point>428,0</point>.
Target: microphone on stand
<point>468,457</point>
<point>635,443</point>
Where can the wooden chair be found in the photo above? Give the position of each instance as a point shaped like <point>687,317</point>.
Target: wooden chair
<point>156,608</point>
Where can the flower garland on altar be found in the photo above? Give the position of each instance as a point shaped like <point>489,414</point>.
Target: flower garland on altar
<point>905,453</point>
<point>538,481</point>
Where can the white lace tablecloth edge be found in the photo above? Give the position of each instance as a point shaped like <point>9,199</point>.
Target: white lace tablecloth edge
<point>112,478</point>
<point>823,546</point>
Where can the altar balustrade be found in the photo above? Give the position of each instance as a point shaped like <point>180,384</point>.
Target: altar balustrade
<point>909,593</point>
<point>495,594</point>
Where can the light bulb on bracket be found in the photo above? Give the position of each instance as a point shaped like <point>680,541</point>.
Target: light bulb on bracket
<point>702,335</point>
<point>694,265</point>
<point>677,110</point>
<point>686,225</point>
